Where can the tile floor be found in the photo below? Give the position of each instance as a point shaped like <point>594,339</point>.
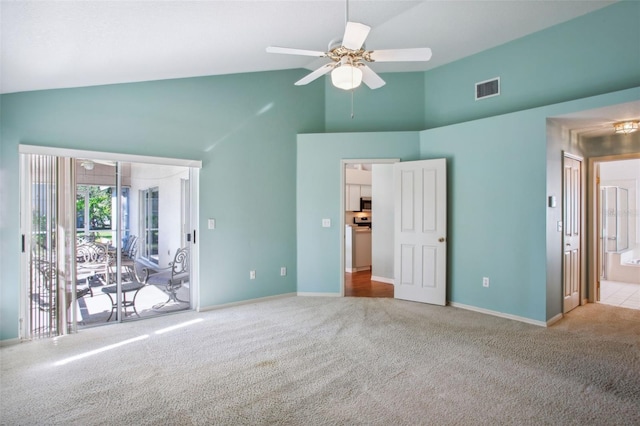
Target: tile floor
<point>625,295</point>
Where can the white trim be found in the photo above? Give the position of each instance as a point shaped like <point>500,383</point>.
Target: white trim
<point>572,156</point>
<point>194,222</point>
<point>498,314</point>
<point>111,156</point>
<point>311,294</point>
<point>554,320</point>
<point>361,268</point>
<point>245,302</point>
<point>343,163</point>
<point>382,279</point>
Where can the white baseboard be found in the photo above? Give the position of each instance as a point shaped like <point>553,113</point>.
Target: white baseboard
<point>361,268</point>
<point>382,279</point>
<point>9,342</point>
<point>311,294</point>
<point>499,314</point>
<point>244,302</point>
<point>554,320</point>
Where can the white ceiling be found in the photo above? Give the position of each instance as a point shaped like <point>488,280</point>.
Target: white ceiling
<point>599,122</point>
<point>60,44</point>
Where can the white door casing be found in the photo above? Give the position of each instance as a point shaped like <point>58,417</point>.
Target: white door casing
<point>420,231</point>
<point>571,241</point>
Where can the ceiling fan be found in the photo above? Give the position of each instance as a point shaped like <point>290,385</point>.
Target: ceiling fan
<point>349,58</point>
<point>89,164</point>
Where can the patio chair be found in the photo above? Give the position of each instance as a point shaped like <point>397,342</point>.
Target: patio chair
<point>44,296</point>
<point>94,262</point>
<point>138,276</point>
<point>172,277</point>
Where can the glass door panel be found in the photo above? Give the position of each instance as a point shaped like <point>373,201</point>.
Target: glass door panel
<point>163,263</point>
<point>101,245</point>
<point>96,242</point>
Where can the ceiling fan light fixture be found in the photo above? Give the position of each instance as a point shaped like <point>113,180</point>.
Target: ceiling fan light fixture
<point>626,127</point>
<point>346,77</point>
<point>87,164</point>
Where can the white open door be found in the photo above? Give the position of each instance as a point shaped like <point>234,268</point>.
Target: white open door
<point>421,231</point>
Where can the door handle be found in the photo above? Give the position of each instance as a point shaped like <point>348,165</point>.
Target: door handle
<point>442,239</point>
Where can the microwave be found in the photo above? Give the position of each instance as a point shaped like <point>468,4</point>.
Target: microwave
<point>365,204</point>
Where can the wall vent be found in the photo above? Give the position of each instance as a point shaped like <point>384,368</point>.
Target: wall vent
<point>488,88</point>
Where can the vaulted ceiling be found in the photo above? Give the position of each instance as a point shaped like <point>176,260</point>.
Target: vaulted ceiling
<point>61,44</point>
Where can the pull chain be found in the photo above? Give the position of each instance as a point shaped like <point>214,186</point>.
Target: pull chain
<point>352,114</point>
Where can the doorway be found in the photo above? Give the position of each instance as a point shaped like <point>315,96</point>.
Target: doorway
<point>95,251</point>
<point>617,226</point>
<point>368,274</point>
<point>415,240</point>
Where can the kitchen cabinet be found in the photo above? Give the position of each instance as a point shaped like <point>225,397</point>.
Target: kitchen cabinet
<point>352,198</point>
<point>352,195</point>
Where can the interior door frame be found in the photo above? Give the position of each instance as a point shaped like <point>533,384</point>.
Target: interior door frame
<point>593,218</point>
<point>343,164</point>
<point>582,287</point>
<point>193,165</point>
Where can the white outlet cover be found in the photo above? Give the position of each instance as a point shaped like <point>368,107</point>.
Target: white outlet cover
<point>326,223</point>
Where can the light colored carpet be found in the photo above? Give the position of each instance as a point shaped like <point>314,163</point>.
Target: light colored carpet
<point>315,361</point>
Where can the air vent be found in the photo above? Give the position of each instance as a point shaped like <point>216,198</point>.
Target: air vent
<point>488,88</point>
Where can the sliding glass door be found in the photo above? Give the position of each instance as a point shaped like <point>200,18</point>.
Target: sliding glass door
<point>85,262</point>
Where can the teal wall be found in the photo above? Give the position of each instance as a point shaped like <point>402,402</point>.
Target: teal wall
<point>247,182</point>
<point>498,216</point>
<point>594,54</point>
<point>497,204</point>
<point>319,192</point>
<point>396,106</point>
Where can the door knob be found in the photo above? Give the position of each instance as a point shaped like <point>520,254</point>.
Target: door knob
<point>441,239</point>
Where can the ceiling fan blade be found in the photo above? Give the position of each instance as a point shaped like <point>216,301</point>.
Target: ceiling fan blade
<point>370,78</point>
<point>316,74</point>
<point>289,51</point>
<point>401,55</point>
<point>355,35</point>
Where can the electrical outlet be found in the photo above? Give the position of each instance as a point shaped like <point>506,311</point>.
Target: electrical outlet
<point>252,275</point>
<point>326,223</point>
<point>485,281</point>
<point>283,271</point>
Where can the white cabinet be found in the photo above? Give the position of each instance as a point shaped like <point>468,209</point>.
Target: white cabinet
<point>352,195</point>
<point>352,198</point>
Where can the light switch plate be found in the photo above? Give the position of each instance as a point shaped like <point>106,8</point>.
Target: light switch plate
<point>211,223</point>
<point>326,223</point>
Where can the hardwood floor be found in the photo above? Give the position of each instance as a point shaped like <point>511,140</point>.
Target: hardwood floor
<point>359,284</point>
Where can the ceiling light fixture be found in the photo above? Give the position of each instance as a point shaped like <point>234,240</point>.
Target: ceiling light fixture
<point>87,164</point>
<point>346,77</point>
<point>626,127</point>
